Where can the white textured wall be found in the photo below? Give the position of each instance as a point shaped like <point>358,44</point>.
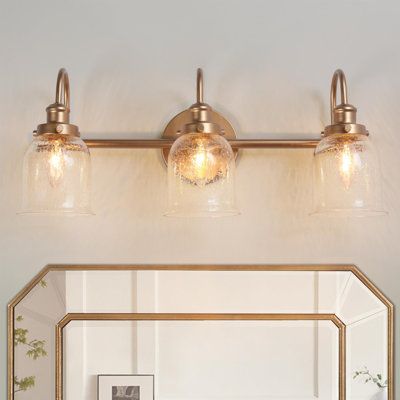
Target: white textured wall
<point>132,65</point>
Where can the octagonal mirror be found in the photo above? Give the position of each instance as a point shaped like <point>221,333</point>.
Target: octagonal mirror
<point>201,332</point>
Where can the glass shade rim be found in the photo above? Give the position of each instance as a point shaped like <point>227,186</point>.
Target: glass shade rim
<point>205,213</point>
<point>56,212</point>
<point>349,212</point>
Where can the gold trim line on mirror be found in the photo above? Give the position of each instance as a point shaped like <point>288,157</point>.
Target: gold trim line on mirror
<point>59,350</point>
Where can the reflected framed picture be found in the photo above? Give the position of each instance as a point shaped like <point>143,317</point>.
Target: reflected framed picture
<point>125,387</point>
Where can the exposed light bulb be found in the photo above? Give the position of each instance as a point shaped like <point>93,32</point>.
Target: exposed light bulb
<point>204,165</point>
<point>202,161</point>
<point>346,165</point>
<point>56,163</point>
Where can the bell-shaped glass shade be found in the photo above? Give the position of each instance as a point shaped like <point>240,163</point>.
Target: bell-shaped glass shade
<point>56,175</point>
<point>201,176</point>
<point>347,176</point>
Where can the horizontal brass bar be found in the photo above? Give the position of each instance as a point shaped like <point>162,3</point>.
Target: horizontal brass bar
<point>129,143</point>
<point>167,143</point>
<point>273,143</point>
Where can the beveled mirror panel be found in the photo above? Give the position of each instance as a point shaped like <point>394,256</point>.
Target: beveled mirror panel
<point>221,359</point>
<point>205,332</point>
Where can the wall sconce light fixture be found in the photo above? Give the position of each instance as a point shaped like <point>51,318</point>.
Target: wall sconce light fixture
<point>201,162</point>
<point>200,146</point>
<point>56,171</point>
<point>347,176</point>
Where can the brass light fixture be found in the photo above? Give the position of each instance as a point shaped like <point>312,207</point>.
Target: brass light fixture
<point>200,146</point>
<point>346,168</point>
<point>56,171</point>
<point>201,162</point>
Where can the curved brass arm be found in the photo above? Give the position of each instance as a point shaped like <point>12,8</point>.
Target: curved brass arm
<point>62,91</point>
<point>338,76</point>
<point>58,112</point>
<point>343,115</point>
<point>199,87</point>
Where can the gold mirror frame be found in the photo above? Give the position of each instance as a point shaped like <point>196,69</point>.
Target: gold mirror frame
<point>130,316</point>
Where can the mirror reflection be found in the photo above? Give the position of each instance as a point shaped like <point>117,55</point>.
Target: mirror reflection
<point>207,359</point>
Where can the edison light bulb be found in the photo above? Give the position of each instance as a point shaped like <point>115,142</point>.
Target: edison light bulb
<point>200,159</point>
<point>200,162</point>
<point>346,167</point>
<point>56,175</point>
<point>56,161</point>
<point>201,176</point>
<point>346,175</point>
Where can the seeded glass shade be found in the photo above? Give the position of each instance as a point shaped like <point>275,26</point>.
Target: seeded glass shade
<point>201,174</point>
<point>56,175</point>
<point>347,176</point>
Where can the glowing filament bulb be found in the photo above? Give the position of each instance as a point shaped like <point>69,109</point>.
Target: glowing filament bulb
<point>346,166</point>
<point>56,164</point>
<point>200,162</point>
<point>201,169</point>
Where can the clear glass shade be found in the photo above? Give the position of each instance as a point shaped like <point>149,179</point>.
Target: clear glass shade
<point>201,176</point>
<point>347,176</point>
<point>56,175</point>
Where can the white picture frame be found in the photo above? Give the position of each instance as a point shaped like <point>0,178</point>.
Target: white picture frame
<point>125,387</point>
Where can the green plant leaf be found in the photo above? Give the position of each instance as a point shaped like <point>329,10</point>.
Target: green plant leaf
<point>20,335</point>
<point>376,379</point>
<point>24,384</point>
<point>37,349</point>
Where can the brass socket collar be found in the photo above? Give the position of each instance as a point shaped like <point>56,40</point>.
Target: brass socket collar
<point>344,121</point>
<point>202,120</point>
<point>58,128</point>
<point>344,113</point>
<point>356,129</point>
<point>57,112</point>
<point>202,127</point>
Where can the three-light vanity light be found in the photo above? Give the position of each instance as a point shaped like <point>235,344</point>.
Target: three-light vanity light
<point>200,146</point>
